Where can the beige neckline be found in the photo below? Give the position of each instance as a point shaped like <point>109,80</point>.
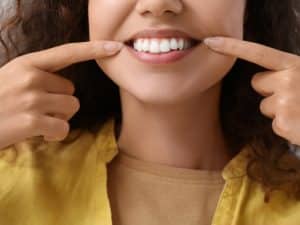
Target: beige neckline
<point>194,175</point>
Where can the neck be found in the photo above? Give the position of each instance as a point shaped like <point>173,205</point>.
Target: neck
<point>186,135</point>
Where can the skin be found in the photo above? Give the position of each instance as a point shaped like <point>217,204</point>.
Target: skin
<point>34,99</point>
<point>279,84</point>
<point>170,113</point>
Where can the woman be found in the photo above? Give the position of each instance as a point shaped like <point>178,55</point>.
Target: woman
<point>173,127</point>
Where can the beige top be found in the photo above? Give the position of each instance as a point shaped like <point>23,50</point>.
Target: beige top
<point>146,193</point>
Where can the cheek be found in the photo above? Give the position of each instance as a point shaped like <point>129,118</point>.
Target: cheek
<point>106,17</point>
<point>227,19</point>
<point>233,20</point>
<point>228,27</point>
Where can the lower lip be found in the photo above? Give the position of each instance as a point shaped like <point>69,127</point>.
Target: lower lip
<point>161,58</point>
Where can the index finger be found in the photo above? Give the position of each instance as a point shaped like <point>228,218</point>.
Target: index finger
<point>59,57</point>
<point>270,58</point>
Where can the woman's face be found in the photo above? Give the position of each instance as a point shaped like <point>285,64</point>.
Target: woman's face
<point>172,81</point>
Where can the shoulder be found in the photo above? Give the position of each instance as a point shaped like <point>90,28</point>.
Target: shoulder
<point>58,181</point>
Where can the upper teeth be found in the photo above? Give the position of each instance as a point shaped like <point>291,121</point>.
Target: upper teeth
<point>155,45</point>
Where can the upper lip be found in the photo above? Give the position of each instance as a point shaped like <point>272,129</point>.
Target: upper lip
<point>162,33</point>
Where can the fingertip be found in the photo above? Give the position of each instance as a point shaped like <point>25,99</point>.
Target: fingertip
<point>112,47</point>
<point>214,42</point>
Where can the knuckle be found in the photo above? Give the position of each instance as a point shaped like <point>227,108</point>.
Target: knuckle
<point>29,79</point>
<point>287,82</point>
<point>282,103</point>
<point>31,100</point>
<point>31,120</point>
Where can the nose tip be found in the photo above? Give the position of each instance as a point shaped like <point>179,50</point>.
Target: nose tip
<point>159,7</point>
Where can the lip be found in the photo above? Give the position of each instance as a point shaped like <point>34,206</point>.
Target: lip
<point>162,33</point>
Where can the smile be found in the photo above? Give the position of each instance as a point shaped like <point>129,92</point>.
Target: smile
<point>161,46</point>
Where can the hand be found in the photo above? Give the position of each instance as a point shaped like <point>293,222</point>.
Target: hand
<point>280,85</point>
<point>34,100</point>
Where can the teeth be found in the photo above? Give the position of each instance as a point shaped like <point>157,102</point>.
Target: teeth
<point>145,45</point>
<point>138,45</point>
<point>161,45</point>
<point>165,45</point>
<point>153,47</point>
<point>181,44</point>
<point>173,44</point>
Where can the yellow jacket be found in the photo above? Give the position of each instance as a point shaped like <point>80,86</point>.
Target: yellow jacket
<point>64,183</point>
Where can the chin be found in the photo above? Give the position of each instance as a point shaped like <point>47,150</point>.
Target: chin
<point>154,97</point>
<point>158,94</point>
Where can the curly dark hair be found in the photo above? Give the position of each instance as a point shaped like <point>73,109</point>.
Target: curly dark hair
<point>43,24</point>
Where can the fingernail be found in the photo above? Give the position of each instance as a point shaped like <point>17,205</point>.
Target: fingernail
<point>112,46</point>
<point>213,42</point>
